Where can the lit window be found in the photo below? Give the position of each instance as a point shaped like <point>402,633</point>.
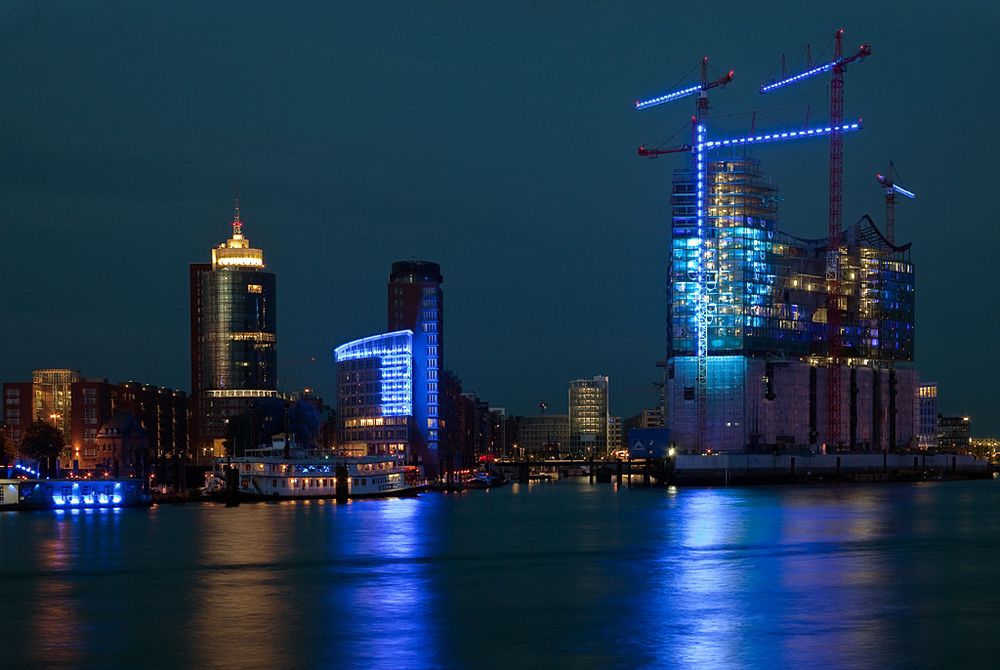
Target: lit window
<point>255,288</point>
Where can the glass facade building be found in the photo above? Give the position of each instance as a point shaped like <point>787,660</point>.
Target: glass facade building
<point>377,397</point>
<point>764,310</point>
<point>588,416</point>
<point>233,337</point>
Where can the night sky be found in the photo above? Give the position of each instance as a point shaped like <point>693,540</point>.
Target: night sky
<point>497,140</point>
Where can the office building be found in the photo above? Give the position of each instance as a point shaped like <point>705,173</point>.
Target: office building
<point>544,435</point>
<point>954,434</point>
<point>233,338</point>
<point>375,397</point>
<point>927,416</point>
<point>415,302</point>
<point>588,416</point>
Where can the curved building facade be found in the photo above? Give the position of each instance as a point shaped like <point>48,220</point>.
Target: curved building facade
<point>375,395</point>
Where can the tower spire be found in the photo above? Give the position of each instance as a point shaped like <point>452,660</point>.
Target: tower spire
<point>237,224</point>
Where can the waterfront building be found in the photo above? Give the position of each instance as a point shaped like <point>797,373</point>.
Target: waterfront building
<point>615,434</point>
<point>647,418</point>
<point>89,404</point>
<point>18,412</point>
<point>233,338</point>
<point>458,421</point>
<point>164,414</point>
<point>544,435</point>
<point>927,415</point>
<point>498,444</point>
<point>48,396</point>
<point>588,416</point>
<point>376,400</point>
<point>761,382</point>
<point>954,433</point>
<point>415,302</point>
<point>122,447</point>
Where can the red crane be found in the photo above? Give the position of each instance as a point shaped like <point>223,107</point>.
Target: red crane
<point>701,107</point>
<point>833,311</point>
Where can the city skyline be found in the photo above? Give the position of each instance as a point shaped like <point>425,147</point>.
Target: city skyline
<point>546,183</point>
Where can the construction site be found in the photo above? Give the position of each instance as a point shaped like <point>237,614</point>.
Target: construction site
<point>777,343</point>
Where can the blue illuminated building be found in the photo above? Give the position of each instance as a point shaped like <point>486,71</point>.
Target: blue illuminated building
<point>752,300</point>
<point>388,396</point>
<point>376,402</point>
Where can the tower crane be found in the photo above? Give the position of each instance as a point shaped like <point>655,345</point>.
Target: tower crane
<point>705,276</point>
<point>888,182</point>
<point>836,67</point>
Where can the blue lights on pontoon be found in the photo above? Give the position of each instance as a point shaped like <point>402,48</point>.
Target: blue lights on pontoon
<point>86,494</point>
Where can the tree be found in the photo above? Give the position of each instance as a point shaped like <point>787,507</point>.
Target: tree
<point>44,442</point>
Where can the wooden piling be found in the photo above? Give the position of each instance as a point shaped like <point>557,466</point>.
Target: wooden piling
<point>342,484</point>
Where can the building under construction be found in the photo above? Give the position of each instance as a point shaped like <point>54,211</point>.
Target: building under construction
<point>765,303</point>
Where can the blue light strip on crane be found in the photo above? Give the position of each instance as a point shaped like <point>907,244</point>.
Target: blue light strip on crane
<point>903,191</point>
<point>780,136</point>
<point>667,97</point>
<point>802,75</point>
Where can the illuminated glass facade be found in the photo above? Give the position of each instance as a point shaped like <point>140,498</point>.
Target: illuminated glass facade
<point>375,395</point>
<point>234,336</point>
<point>52,398</point>
<point>588,416</point>
<point>762,302</point>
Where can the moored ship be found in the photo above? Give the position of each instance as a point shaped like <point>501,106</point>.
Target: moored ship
<point>271,474</point>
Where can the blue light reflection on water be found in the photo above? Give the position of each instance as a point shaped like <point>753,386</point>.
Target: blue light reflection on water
<point>563,574</point>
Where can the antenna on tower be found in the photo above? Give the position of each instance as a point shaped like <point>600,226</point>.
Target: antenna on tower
<point>237,224</point>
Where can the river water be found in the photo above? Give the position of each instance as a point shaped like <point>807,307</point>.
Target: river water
<point>559,575</point>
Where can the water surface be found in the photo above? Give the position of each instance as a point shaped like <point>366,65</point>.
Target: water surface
<point>561,574</point>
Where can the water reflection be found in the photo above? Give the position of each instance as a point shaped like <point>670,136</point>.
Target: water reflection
<point>53,612</point>
<point>389,598</point>
<point>243,612</point>
<point>561,575</point>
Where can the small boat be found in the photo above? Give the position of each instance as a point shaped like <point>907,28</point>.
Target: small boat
<point>485,480</point>
<point>480,480</point>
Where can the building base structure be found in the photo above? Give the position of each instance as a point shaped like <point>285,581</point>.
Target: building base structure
<point>759,405</point>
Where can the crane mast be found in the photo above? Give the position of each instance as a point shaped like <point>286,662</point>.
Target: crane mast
<point>833,312</point>
<point>704,276</point>
<point>887,181</point>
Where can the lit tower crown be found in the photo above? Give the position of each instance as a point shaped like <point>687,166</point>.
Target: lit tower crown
<point>236,251</point>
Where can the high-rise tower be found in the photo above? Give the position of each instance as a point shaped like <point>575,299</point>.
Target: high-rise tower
<point>233,337</point>
<point>416,302</point>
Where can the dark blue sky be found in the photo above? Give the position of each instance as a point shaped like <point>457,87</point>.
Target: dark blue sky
<point>495,138</point>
